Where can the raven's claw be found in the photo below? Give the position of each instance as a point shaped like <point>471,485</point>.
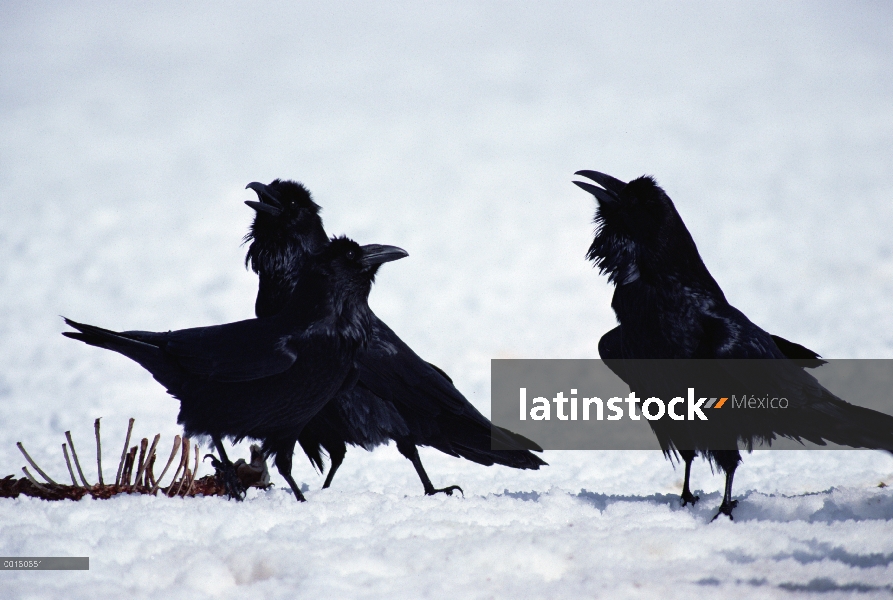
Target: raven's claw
<point>447,490</point>
<point>726,509</point>
<point>689,498</point>
<point>226,474</point>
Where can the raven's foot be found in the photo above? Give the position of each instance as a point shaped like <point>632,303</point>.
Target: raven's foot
<point>726,509</point>
<point>226,474</point>
<point>688,498</point>
<point>447,490</point>
<point>299,495</point>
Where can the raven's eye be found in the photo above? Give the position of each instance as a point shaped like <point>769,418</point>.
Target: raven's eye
<point>351,255</point>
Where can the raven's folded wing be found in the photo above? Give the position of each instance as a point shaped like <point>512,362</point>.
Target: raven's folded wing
<point>391,370</point>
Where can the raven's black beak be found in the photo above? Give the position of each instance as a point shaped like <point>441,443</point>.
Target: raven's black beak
<point>376,254</point>
<point>612,186</point>
<point>269,203</point>
<point>606,181</point>
<point>261,207</point>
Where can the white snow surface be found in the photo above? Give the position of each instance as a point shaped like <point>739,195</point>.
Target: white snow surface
<point>452,130</point>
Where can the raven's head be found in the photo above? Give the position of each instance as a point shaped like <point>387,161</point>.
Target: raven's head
<point>347,261</point>
<point>286,227</point>
<point>639,233</point>
<point>347,271</point>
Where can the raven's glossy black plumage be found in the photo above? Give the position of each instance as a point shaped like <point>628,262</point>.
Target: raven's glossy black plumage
<point>398,396</point>
<point>670,307</point>
<point>265,378</point>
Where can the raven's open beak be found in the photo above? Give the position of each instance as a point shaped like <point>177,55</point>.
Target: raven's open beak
<point>611,185</point>
<point>269,203</point>
<point>376,254</point>
<point>606,181</point>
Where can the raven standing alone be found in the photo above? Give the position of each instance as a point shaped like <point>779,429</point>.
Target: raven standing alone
<point>670,307</point>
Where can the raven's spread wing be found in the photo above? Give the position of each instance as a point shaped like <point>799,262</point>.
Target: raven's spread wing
<point>240,351</point>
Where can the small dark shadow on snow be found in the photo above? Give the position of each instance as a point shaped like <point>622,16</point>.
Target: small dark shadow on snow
<point>817,552</point>
<point>304,489</point>
<point>602,501</point>
<point>818,585</point>
<point>823,584</point>
<point>525,496</point>
<point>739,558</point>
<point>821,551</point>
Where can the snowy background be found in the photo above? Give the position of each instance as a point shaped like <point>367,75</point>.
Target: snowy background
<point>452,130</point>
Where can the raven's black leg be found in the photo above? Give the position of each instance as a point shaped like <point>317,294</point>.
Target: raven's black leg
<point>728,461</point>
<point>283,463</point>
<point>687,497</point>
<point>727,503</point>
<point>336,457</point>
<point>226,471</point>
<point>409,450</point>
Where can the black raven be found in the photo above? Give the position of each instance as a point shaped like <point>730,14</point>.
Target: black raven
<point>398,396</point>
<point>265,378</point>
<point>609,349</point>
<point>670,307</point>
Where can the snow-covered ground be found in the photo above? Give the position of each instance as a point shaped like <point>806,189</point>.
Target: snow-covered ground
<point>451,130</point>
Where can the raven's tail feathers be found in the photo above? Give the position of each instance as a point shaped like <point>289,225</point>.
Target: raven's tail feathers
<point>101,338</point>
<point>839,422</point>
<point>497,447</point>
<point>314,452</point>
<point>147,354</point>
